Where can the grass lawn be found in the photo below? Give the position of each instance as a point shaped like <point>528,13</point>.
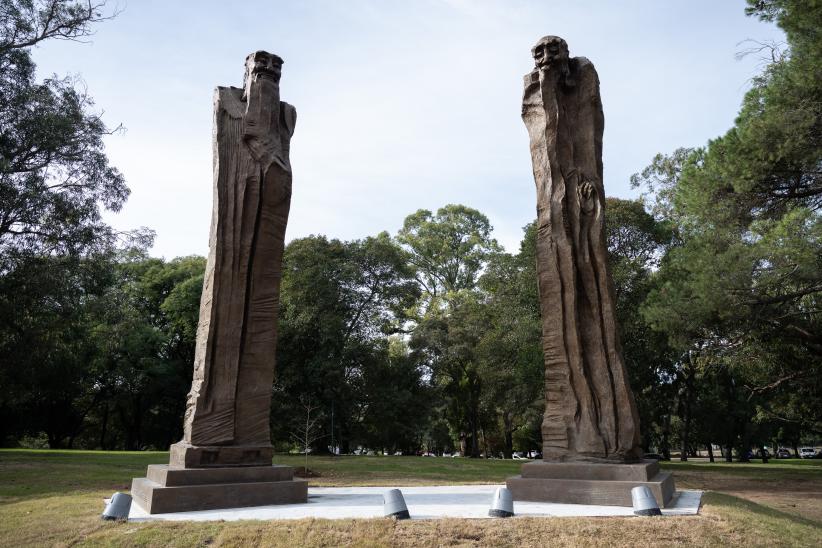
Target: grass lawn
<point>55,498</point>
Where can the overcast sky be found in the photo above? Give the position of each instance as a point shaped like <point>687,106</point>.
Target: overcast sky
<point>401,105</point>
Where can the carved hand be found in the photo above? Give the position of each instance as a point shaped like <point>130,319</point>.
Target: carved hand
<point>587,195</point>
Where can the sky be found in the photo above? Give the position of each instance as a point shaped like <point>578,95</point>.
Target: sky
<point>401,105</point>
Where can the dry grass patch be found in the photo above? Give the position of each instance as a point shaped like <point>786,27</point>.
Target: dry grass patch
<point>73,520</point>
<point>722,523</point>
<point>796,490</point>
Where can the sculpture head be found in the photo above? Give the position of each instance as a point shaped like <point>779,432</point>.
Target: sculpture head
<point>262,64</point>
<point>550,51</point>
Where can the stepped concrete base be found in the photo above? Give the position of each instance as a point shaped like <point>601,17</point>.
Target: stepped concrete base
<point>185,455</point>
<point>590,483</point>
<point>172,489</point>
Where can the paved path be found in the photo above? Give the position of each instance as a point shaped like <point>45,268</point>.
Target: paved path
<point>453,501</point>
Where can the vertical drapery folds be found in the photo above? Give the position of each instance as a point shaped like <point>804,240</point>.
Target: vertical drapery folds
<point>230,399</point>
<point>590,412</point>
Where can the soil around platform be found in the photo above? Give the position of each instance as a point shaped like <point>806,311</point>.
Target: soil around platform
<point>303,472</point>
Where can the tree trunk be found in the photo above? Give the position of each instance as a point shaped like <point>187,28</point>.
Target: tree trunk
<point>473,420</point>
<point>485,448</point>
<point>475,452</point>
<point>665,449</point>
<point>55,441</point>
<point>138,423</point>
<point>507,421</point>
<point>710,451</point>
<point>104,427</point>
<point>745,445</point>
<point>686,410</point>
<point>730,398</point>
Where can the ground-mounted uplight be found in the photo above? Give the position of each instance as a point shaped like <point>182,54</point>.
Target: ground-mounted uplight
<point>395,505</point>
<point>644,502</point>
<point>118,507</point>
<point>502,505</point>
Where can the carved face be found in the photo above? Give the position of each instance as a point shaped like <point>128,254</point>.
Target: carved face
<point>549,51</point>
<point>262,64</point>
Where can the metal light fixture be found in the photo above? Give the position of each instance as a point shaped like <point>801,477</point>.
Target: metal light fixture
<point>118,507</point>
<point>502,506</point>
<point>395,505</point>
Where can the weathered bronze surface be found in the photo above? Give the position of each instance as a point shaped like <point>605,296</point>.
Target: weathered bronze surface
<point>224,458</point>
<point>230,399</point>
<point>590,412</point>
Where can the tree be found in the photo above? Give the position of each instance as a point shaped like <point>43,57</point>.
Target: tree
<point>448,346</point>
<point>55,250</point>
<point>636,244</point>
<point>339,302</point>
<point>98,351</point>
<point>510,351</point>
<point>306,431</point>
<point>49,381</point>
<point>448,250</point>
<point>145,334</point>
<point>742,287</point>
<point>396,400</point>
<point>54,175</point>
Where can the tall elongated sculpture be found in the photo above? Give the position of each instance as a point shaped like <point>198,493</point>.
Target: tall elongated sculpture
<point>590,430</point>
<point>227,416</point>
<point>224,459</point>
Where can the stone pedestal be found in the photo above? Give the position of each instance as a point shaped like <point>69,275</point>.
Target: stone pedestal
<point>169,489</point>
<point>185,455</point>
<point>590,483</point>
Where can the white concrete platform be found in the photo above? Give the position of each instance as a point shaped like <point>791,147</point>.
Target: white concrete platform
<point>452,501</point>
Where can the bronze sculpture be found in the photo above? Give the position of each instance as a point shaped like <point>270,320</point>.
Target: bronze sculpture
<point>590,429</point>
<point>224,458</point>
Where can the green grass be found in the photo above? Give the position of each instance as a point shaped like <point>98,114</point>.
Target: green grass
<point>774,469</point>
<point>29,472</point>
<point>352,470</point>
<point>55,498</point>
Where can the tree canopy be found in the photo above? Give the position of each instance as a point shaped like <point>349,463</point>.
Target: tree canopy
<point>54,175</point>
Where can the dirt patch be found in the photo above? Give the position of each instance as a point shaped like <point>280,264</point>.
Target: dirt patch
<point>796,496</point>
<point>303,472</point>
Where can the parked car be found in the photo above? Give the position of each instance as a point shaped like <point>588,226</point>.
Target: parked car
<point>763,453</point>
<point>783,453</point>
<point>517,456</point>
<point>654,456</point>
<point>807,452</point>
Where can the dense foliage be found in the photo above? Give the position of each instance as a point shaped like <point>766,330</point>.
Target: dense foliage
<point>738,295</point>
